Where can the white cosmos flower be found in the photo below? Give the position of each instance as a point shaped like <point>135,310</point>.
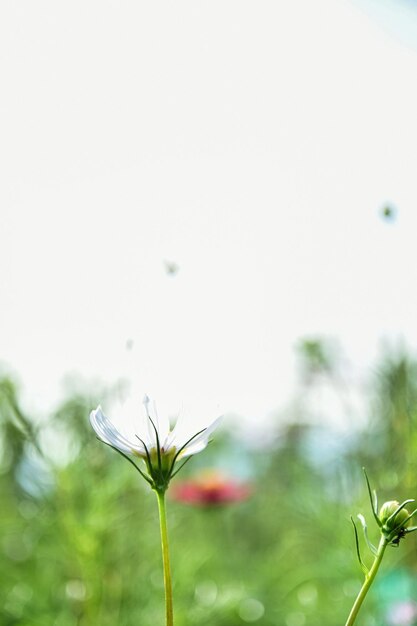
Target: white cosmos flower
<point>153,441</point>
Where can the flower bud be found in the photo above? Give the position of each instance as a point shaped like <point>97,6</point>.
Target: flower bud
<point>399,521</point>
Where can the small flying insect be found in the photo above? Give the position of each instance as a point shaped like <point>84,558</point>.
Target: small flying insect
<point>171,268</point>
<point>388,213</point>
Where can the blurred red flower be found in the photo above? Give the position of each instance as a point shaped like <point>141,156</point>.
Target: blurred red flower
<point>210,488</point>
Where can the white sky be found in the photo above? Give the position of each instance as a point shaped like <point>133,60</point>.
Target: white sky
<point>253,143</point>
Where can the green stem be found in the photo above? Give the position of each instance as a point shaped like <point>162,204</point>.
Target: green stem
<point>165,559</point>
<point>369,579</point>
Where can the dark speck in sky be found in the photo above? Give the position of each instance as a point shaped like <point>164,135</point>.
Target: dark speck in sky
<point>171,268</point>
<point>388,213</point>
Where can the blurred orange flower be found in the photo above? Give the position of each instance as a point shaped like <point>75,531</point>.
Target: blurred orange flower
<point>210,488</point>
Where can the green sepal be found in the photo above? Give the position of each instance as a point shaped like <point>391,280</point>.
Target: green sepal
<point>365,533</point>
<point>373,500</point>
<point>358,552</point>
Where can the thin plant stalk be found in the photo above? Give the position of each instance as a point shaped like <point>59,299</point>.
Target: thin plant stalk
<point>165,559</point>
<point>369,579</point>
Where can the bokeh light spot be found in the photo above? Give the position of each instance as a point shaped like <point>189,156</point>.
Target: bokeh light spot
<point>206,592</point>
<point>295,619</point>
<point>307,595</point>
<point>76,590</point>
<point>250,610</point>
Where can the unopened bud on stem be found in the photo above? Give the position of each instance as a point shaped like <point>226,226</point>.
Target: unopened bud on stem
<point>393,521</point>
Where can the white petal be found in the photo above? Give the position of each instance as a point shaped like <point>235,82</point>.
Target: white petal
<point>108,433</point>
<point>161,424</point>
<point>198,443</point>
<point>194,448</point>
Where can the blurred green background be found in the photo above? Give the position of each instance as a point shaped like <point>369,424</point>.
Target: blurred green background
<point>79,534</point>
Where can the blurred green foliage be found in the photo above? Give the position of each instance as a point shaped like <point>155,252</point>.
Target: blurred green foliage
<point>79,536</point>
